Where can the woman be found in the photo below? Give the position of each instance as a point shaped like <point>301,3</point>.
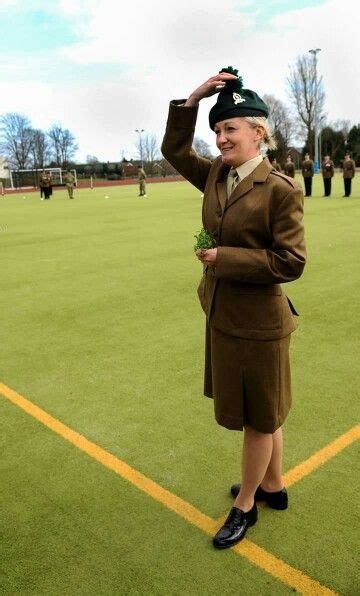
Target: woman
<point>255,214</point>
<point>327,172</point>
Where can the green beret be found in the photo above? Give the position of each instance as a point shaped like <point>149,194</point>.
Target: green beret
<point>233,101</point>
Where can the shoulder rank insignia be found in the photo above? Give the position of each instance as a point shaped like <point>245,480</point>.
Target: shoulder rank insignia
<point>237,98</point>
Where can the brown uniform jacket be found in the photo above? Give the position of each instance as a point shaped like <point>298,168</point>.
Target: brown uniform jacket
<point>327,169</point>
<point>307,168</point>
<point>349,168</point>
<point>259,233</point>
<point>276,167</point>
<point>45,180</point>
<point>289,169</point>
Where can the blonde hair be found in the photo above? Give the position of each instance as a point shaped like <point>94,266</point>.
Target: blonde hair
<point>268,141</point>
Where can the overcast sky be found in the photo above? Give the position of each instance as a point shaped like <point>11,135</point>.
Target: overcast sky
<point>103,68</point>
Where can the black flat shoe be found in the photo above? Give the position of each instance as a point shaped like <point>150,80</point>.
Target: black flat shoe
<point>278,500</point>
<point>235,527</point>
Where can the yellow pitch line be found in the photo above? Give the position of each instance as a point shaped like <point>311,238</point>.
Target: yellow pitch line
<point>322,456</point>
<point>253,553</point>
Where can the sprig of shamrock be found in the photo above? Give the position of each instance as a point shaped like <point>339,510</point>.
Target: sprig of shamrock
<point>204,240</point>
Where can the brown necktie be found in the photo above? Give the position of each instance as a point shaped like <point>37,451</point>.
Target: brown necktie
<point>234,178</point>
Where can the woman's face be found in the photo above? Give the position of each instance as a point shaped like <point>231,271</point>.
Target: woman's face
<point>237,140</point>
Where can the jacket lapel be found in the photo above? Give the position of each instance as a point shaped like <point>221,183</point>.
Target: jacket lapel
<point>260,174</point>
<point>222,194</point>
<point>241,189</point>
<point>221,186</point>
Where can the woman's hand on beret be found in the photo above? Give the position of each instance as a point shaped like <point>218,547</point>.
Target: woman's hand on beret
<point>208,257</point>
<point>209,88</point>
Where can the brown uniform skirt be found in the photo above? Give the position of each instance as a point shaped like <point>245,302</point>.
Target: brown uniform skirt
<point>249,380</point>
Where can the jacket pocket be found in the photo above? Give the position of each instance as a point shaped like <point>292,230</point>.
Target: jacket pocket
<point>249,311</point>
<point>255,289</point>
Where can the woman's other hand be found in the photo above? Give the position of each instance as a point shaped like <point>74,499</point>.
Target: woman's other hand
<point>208,257</point>
<point>209,88</point>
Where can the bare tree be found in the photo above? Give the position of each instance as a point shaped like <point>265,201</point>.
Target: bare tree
<point>342,126</point>
<point>202,148</point>
<point>308,96</point>
<point>63,144</point>
<point>150,148</point>
<point>282,124</point>
<point>91,159</point>
<point>147,148</point>
<point>40,151</point>
<point>16,139</point>
<point>166,168</point>
<point>55,142</point>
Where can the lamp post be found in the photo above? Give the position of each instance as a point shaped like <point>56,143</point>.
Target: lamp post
<point>316,164</point>
<point>139,131</point>
<point>321,126</point>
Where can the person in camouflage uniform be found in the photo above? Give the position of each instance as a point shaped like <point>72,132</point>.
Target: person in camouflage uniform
<point>69,180</point>
<point>142,182</point>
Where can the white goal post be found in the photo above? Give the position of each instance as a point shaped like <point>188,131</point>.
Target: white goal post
<point>4,168</point>
<point>30,178</point>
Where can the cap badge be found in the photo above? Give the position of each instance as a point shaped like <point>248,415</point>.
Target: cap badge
<point>237,98</point>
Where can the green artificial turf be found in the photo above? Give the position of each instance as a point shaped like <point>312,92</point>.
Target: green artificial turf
<point>100,326</point>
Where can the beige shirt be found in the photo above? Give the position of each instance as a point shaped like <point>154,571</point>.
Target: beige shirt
<point>244,170</point>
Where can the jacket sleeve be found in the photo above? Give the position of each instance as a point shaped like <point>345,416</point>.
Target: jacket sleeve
<point>281,263</point>
<point>177,144</point>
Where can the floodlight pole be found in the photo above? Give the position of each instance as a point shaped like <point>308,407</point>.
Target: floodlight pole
<point>139,131</point>
<point>316,164</point>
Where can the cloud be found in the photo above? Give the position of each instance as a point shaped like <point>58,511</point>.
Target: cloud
<point>7,3</point>
<point>162,34</point>
<point>131,59</point>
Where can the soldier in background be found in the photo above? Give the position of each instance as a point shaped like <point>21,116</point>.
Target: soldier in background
<point>40,184</point>
<point>327,172</point>
<point>275,165</point>
<point>307,169</point>
<point>289,168</point>
<point>348,174</point>
<point>69,180</point>
<point>51,183</point>
<point>142,182</point>
<point>45,183</point>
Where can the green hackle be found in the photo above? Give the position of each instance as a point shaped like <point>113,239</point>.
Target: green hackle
<point>235,85</point>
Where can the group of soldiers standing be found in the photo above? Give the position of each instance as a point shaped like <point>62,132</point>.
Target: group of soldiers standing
<point>327,170</point>
<point>46,184</point>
